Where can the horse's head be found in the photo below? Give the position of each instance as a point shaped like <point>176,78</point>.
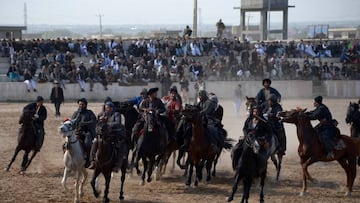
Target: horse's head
<point>292,116</point>
<point>67,127</point>
<point>253,143</point>
<point>190,112</point>
<point>123,107</point>
<point>27,116</point>
<point>250,104</point>
<point>353,112</point>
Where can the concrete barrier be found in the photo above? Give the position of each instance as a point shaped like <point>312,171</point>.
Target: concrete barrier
<point>343,88</point>
<point>16,91</point>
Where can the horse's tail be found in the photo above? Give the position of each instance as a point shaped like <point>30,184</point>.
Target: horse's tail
<point>228,144</point>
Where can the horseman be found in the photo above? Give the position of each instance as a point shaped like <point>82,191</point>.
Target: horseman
<point>173,108</point>
<point>38,120</point>
<point>207,109</point>
<point>137,100</point>
<point>117,133</point>
<point>264,94</point>
<point>326,129</point>
<point>150,104</point>
<point>271,115</point>
<point>85,122</point>
<point>218,108</point>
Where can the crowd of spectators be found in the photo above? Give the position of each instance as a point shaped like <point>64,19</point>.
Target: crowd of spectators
<point>145,60</point>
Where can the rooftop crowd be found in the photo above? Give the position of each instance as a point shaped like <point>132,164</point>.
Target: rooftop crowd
<point>152,60</point>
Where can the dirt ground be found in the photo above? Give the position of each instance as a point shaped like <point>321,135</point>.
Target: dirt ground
<point>41,183</point>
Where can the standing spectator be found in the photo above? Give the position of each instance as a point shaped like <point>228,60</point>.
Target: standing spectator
<point>238,99</point>
<point>198,86</point>
<point>57,97</point>
<point>220,26</point>
<point>80,77</point>
<point>29,81</point>
<point>13,73</point>
<point>165,84</point>
<point>187,32</point>
<point>184,87</point>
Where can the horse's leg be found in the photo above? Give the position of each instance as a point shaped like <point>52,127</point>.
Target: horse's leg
<point>188,180</point>
<point>63,181</point>
<point>107,185</point>
<point>215,163</point>
<point>93,182</point>
<point>348,166</point>
<point>208,170</point>
<point>77,180</point>
<point>173,164</point>
<point>25,161</point>
<point>181,155</point>
<point>235,186</point>
<point>17,150</point>
<point>277,164</point>
<point>262,183</point>
<point>145,164</point>
<point>150,169</point>
<point>246,190</point>
<point>31,158</point>
<point>123,175</point>
<point>304,177</point>
<point>198,168</point>
<point>83,181</point>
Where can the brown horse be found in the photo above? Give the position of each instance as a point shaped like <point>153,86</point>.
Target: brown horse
<point>310,149</point>
<point>200,150</point>
<point>105,159</point>
<point>26,140</point>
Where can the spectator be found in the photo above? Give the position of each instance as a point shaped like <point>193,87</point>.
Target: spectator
<point>238,99</point>
<point>220,27</point>
<point>184,87</point>
<point>187,32</point>
<point>57,97</point>
<point>29,81</point>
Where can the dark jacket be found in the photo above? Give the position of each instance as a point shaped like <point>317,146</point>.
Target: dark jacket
<point>156,105</point>
<point>85,121</point>
<point>42,113</point>
<point>114,122</point>
<point>260,97</point>
<point>321,113</point>
<point>274,121</point>
<point>60,96</point>
<point>261,129</point>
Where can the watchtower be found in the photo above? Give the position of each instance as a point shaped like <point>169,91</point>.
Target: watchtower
<point>264,7</point>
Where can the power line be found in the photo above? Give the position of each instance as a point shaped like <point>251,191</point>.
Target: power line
<point>100,23</point>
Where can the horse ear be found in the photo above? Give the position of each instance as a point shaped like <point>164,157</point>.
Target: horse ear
<point>304,110</point>
<point>247,98</point>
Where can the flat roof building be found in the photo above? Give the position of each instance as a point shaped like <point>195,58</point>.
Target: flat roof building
<point>11,32</point>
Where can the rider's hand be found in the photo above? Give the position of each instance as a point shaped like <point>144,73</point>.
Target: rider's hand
<point>36,116</point>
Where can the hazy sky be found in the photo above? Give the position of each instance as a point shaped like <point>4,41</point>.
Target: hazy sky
<point>163,11</point>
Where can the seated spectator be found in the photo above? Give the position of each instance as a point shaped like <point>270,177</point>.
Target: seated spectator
<point>29,81</point>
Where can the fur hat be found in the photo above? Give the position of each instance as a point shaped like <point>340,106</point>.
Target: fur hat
<point>110,104</point>
<point>152,90</point>
<point>39,99</point>
<point>83,100</point>
<point>318,99</point>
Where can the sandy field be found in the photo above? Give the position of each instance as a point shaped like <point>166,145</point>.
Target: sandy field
<point>41,183</point>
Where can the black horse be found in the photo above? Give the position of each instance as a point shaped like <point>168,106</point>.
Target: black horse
<point>353,118</point>
<point>150,146</point>
<point>26,140</point>
<point>105,159</point>
<point>251,164</point>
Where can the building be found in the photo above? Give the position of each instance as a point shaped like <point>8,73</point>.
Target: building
<point>10,32</point>
<point>344,33</point>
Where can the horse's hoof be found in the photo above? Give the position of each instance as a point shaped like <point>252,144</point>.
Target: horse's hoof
<point>76,201</point>
<point>6,169</point>
<point>96,194</point>
<point>106,200</point>
<point>122,198</point>
<point>302,194</point>
<point>315,181</point>
<point>149,180</point>
<point>229,199</point>
<point>347,194</point>
<point>22,172</point>
<point>142,183</point>
<point>187,186</point>
<point>138,173</point>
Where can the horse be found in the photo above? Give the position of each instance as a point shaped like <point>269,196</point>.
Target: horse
<point>73,159</point>
<point>26,141</point>
<point>150,144</point>
<point>105,158</point>
<point>200,151</point>
<point>276,156</point>
<point>310,149</point>
<point>250,165</point>
<point>353,118</point>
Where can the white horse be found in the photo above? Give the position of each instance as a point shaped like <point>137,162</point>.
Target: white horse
<point>74,160</point>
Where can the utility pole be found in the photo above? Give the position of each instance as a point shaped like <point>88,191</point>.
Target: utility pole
<point>100,16</point>
<point>25,16</point>
<point>195,19</point>
<point>268,29</point>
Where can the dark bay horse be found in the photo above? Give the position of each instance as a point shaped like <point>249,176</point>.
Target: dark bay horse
<point>353,118</point>
<point>26,140</point>
<point>149,146</point>
<point>276,156</point>
<point>310,149</point>
<point>200,150</point>
<point>251,164</point>
<point>105,159</point>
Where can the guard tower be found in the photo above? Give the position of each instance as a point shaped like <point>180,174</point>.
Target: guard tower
<point>264,7</point>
